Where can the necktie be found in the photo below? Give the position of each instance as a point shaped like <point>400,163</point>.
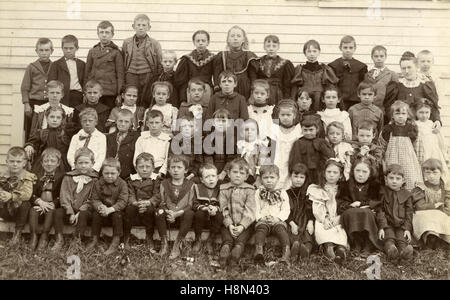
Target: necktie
<point>86,139</point>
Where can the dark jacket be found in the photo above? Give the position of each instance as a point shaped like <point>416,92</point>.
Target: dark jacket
<point>202,197</point>
<point>102,113</point>
<point>110,194</point>
<point>48,183</point>
<point>124,152</point>
<point>153,54</point>
<point>301,207</point>
<point>143,189</point>
<point>59,71</point>
<point>394,209</point>
<point>34,82</point>
<point>367,194</point>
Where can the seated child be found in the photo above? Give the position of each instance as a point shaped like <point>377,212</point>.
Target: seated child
<point>342,150</point>
<point>304,102</point>
<point>16,189</point>
<point>195,106</point>
<point>237,203</point>
<point>109,198</point>
<point>271,212</point>
<point>259,109</point>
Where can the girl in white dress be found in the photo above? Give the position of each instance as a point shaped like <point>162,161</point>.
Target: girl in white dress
<point>342,150</point>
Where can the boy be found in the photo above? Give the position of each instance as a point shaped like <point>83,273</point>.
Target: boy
<point>105,64</point>
<point>228,98</point>
<point>142,56</point>
<point>45,197</point>
<point>175,204</point>
<point>349,71</point>
<point>380,75</point>
<point>206,207</point>
<point>34,81</point>
<point>365,146</point>
<point>143,192</point>
<point>394,213</point>
<point>237,203</point>
<point>70,71</point>
<point>425,61</point>
<point>366,110</point>
<point>88,137</point>
<point>16,189</point>
<point>109,198</point>
<point>76,188</point>
<point>196,90</point>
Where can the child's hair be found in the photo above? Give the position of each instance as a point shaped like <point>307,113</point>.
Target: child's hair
<point>92,84</point>
<point>126,113</point>
<point>248,121</point>
<point>145,156</point>
<point>398,105</point>
<point>245,44</point>
<point>302,90</point>
<point>130,86</point>
<point>378,48</point>
<point>69,39</point>
<point>408,56</point>
<point>154,113</point>
<point>111,162</point>
<point>423,102</point>
<point>395,169</point>
<point>332,87</point>
<point>311,43</point>
<point>337,125</point>
<point>368,162</point>
<point>196,81</point>
<point>142,17</point>
<point>178,158</point>
<point>51,152</point>
<point>366,125</point>
<point>366,85</point>
<point>424,52</point>
<point>61,110</point>
<point>299,168</point>
<point>201,31</point>
<point>166,84</point>
<point>267,169</point>
<point>84,152</point>
<point>16,151</point>
<point>331,162</point>
<point>347,39</point>
<point>272,38</point>
<point>88,111</point>
<point>261,83</point>
<point>221,113</point>
<point>170,53</point>
<point>44,41</point>
<point>55,84</point>
<point>240,163</point>
<point>432,164</point>
<point>310,121</point>
<point>227,74</point>
<point>288,103</point>
<point>105,25</point>
<point>206,166</point>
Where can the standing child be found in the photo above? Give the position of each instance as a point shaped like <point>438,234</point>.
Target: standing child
<point>271,212</point>
<point>425,61</point>
<point>313,76</point>
<point>342,150</point>
<point>16,189</point>
<point>237,60</point>
<point>350,71</point>
<point>237,203</point>
<point>304,102</point>
<point>260,110</point>
<point>70,71</point>
<point>276,70</point>
<point>105,64</point>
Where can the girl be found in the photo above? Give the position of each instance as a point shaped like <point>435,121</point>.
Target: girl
<point>331,98</point>
<point>354,202</point>
<point>400,135</point>
<point>313,75</point>
<point>342,150</point>
<point>238,60</point>
<point>328,230</point>
<point>259,109</point>
<point>284,136</point>
<point>197,64</point>
<point>129,99</point>
<point>304,102</point>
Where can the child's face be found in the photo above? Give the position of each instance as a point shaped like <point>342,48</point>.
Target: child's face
<point>423,114</point>
<point>227,85</point>
<point>298,180</point>
<point>220,124</point>
<point>379,57</point>
<point>110,174</point>
<point>155,125</point>
<point>201,42</point>
<point>88,123</point>
<point>168,62</point>
<point>367,96</point>
<point>304,102</point>
<point>196,91</point>
<point>286,116</point>
<point>177,170</point>
<point>130,97</point>
<point>105,35</point>
<point>93,95</point>
<point>425,62</point>
<point>69,50</point>
<point>16,164</point>
<point>409,69</point>
<point>161,95</point>
<point>235,39</point>
<point>84,164</point>
<point>251,131</point>
<point>361,173</point>
<point>312,54</point>
<point>237,175</point>
<point>310,132</point>
<point>54,119</point>
<point>332,174</point>
<point>44,51</point>
<point>209,178</point>
<point>144,168</point>
<point>270,180</point>
<point>271,48</point>
<point>365,136</point>
<point>331,99</point>
<point>141,27</point>
<point>394,181</point>
<point>400,116</point>
<point>432,176</point>
<point>50,163</point>
<point>348,49</point>
<point>123,123</point>
<point>335,135</point>
<point>187,128</point>
<point>54,96</point>
<point>260,95</point>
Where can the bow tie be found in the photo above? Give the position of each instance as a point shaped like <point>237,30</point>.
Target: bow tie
<point>83,137</point>
<point>10,183</point>
<point>227,97</point>
<point>48,177</point>
<point>273,197</point>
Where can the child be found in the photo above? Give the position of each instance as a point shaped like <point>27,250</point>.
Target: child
<point>237,203</point>
<point>196,65</point>
<point>16,189</point>
<point>141,201</point>
<point>311,150</point>
<point>425,61</point>
<point>109,198</point>
<point>259,109</point>
<point>331,98</point>
<point>176,196</point>
<point>237,60</point>
<point>94,92</point>
<point>45,197</point>
<point>228,98</point>
<point>313,76</point>
<point>354,205</point>
<point>129,99</point>
<point>350,71</point>
<point>105,64</point>
<point>33,87</point>
<point>196,90</point>
<point>394,214</point>
<point>304,102</point>
<point>276,70</point>
<point>284,135</point>
<point>76,188</point>
<point>271,212</point>
<point>328,229</point>
<point>366,110</point>
<point>155,142</point>
<point>142,56</point>
<point>121,144</point>
<point>88,137</point>
<point>342,150</point>
<point>379,76</point>
<point>301,218</point>
<point>400,135</point>
<point>206,207</point>
<point>161,94</point>
<point>70,71</point>
<point>431,221</point>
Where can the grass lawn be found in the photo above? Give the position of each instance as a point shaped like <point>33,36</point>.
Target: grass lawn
<point>20,263</point>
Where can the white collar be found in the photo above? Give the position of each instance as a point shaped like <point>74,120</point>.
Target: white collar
<point>41,108</point>
<point>130,108</point>
<point>162,136</point>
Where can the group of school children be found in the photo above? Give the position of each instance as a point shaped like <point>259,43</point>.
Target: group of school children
<point>335,156</point>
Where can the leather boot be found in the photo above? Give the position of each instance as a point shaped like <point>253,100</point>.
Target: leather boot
<point>210,244</point>
<point>126,241</point>
<point>175,249</point>
<point>236,255</point>
<point>197,245</point>
<point>407,253</point>
<point>341,254</point>
<point>224,255</point>
<point>259,254</point>
<point>93,243</point>
<point>164,246</point>
<point>16,237</point>
<point>295,250</point>
<point>113,246</point>
<point>43,241</point>
<point>33,241</point>
<point>329,251</point>
<point>58,243</point>
<point>286,255</point>
<point>391,250</point>
<point>305,250</point>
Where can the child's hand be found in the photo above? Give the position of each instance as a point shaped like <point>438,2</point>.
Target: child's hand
<point>73,219</point>
<point>436,126</point>
<point>294,228</point>
<point>190,176</point>
<point>327,224</point>
<point>364,150</point>
<point>28,110</point>
<point>222,175</point>
<point>45,206</point>
<point>5,196</point>
<point>238,230</point>
<point>438,204</point>
<point>109,210</point>
<point>213,210</point>
<point>30,151</point>
<point>310,227</point>
<point>154,176</point>
<point>381,234</point>
<point>118,100</point>
<point>356,204</point>
<point>407,235</point>
<point>232,230</point>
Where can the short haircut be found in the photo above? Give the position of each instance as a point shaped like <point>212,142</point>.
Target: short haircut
<point>165,84</point>
<point>227,74</point>
<point>206,166</point>
<point>347,39</point>
<point>169,53</point>
<point>105,25</point>
<point>272,38</point>
<point>16,151</point>
<point>311,43</point>
<point>398,105</point>
<point>240,163</point>
<point>245,43</point>
<point>144,157</point>
<point>378,48</point>
<point>261,83</point>
<point>126,113</point>
<point>155,114</point>
<point>55,84</point>
<point>51,152</point>
<point>44,41</point>
<point>196,81</point>
<point>395,169</point>
<point>310,121</point>
<point>366,125</point>
<point>432,164</point>
<point>337,125</point>
<point>366,85</point>
<point>288,103</point>
<point>92,84</point>
<point>178,158</point>
<point>88,111</point>
<point>221,113</point>
<point>424,52</point>
<point>84,152</point>
<point>267,169</point>
<point>408,56</point>
<point>142,17</point>
<point>201,32</point>
<point>299,168</point>
<point>69,39</point>
<point>111,162</point>
<point>332,87</point>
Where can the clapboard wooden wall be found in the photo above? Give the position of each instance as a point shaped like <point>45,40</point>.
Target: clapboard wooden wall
<point>399,25</point>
